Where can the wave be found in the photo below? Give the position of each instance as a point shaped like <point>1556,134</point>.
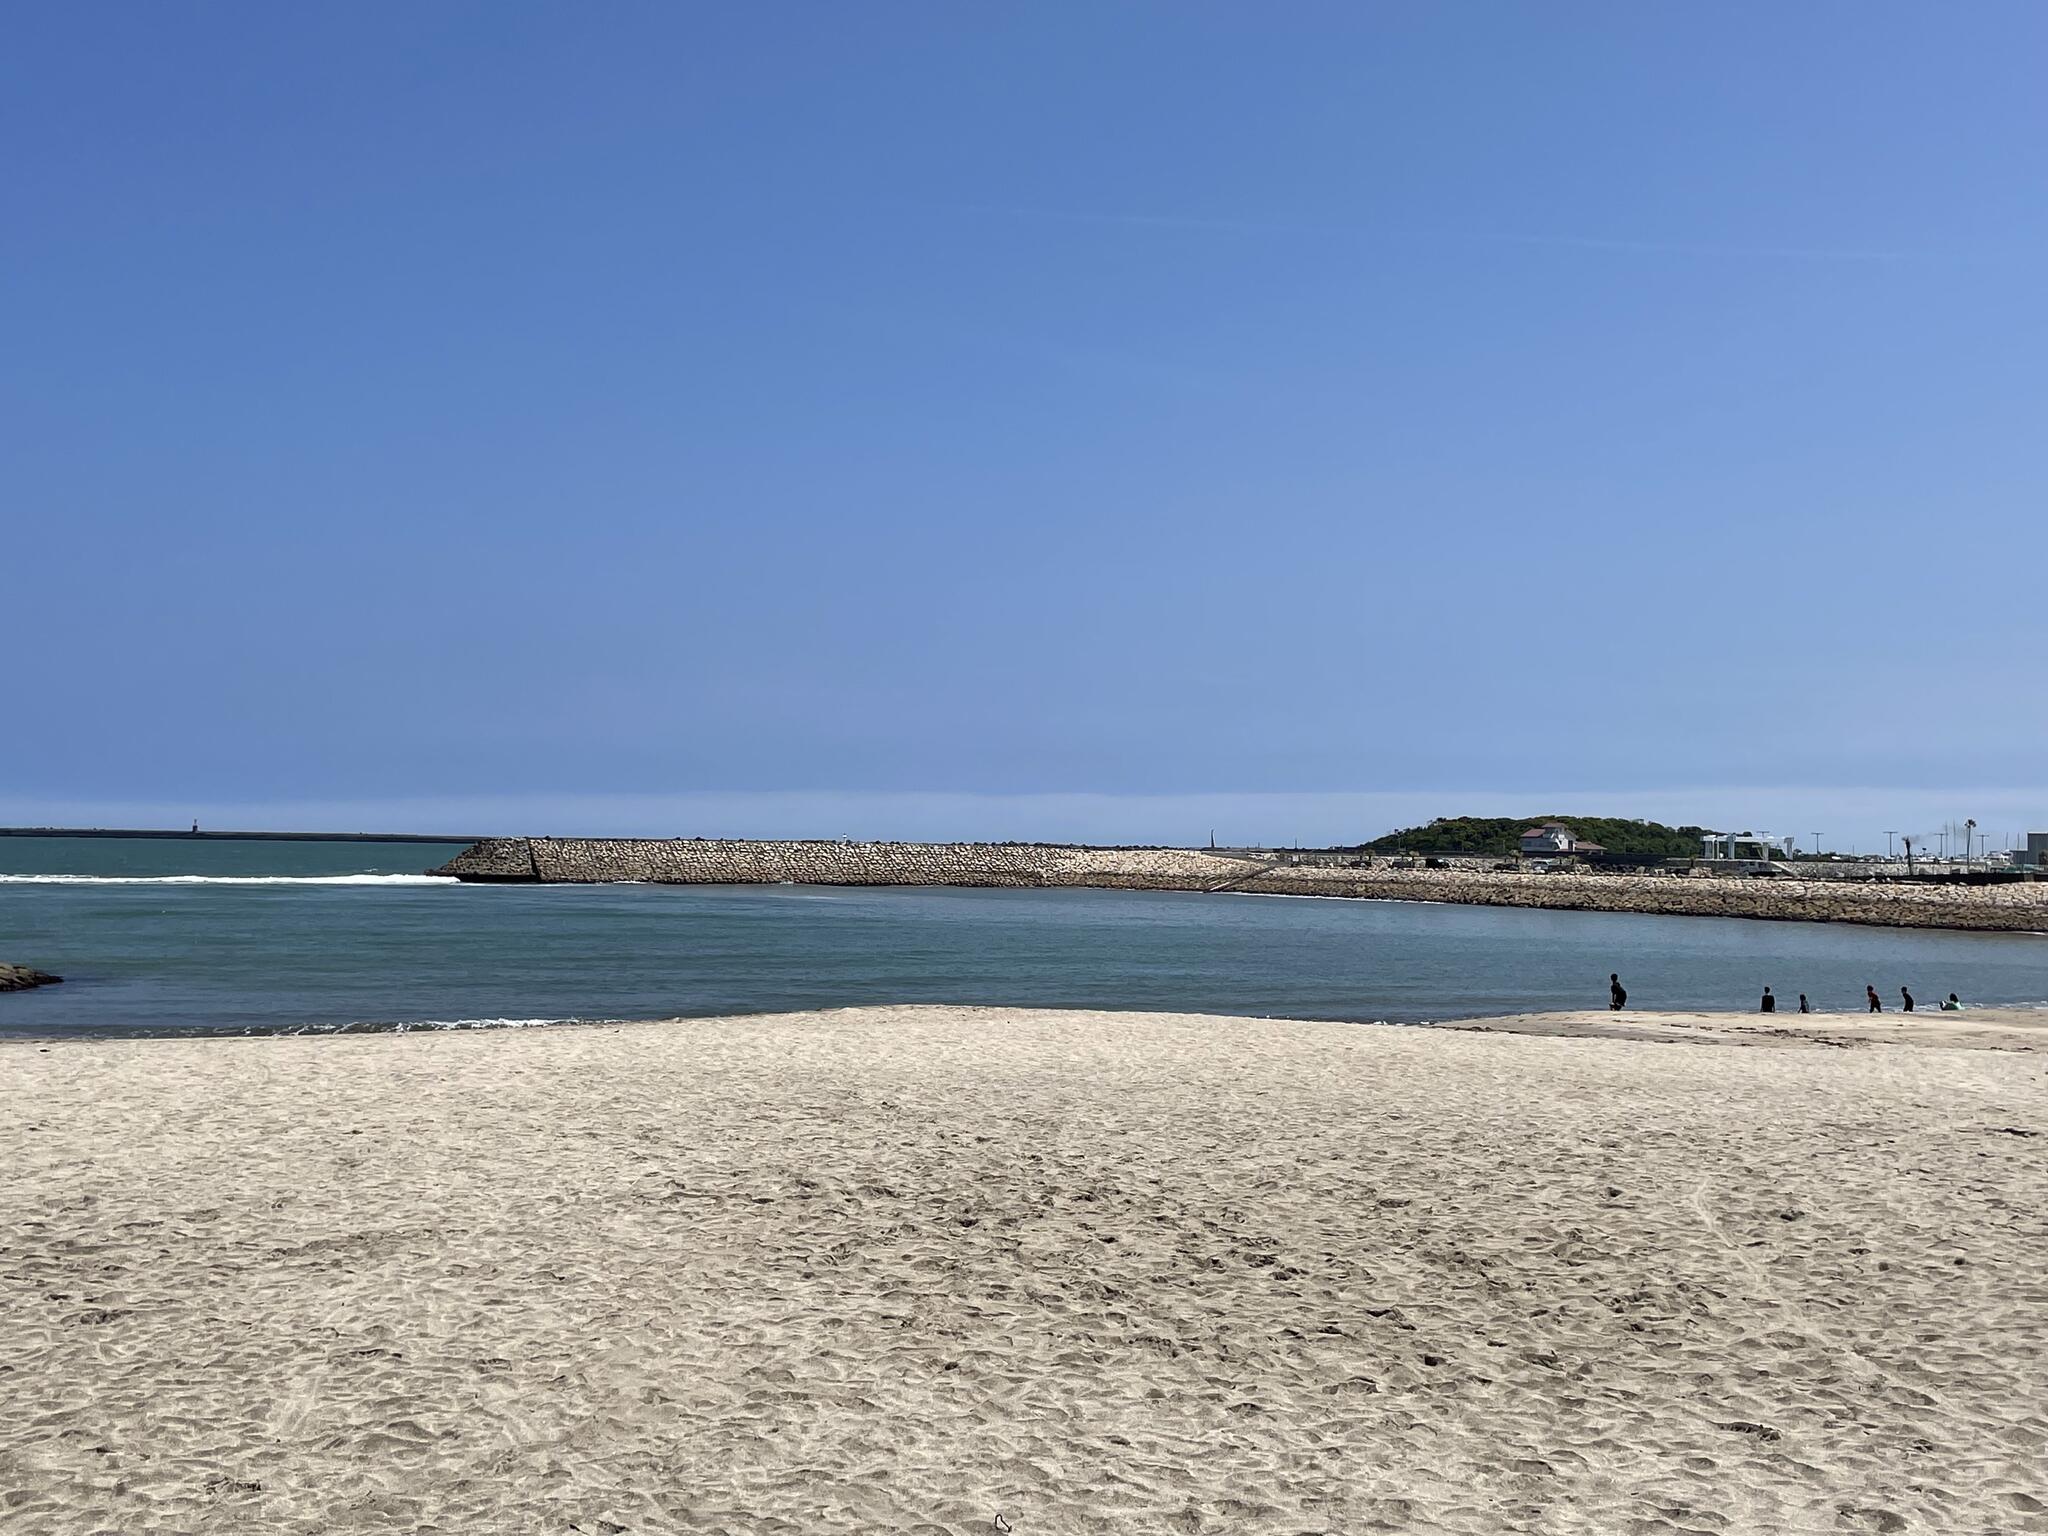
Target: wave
<point>403,1026</point>
<point>365,1027</point>
<point>228,880</point>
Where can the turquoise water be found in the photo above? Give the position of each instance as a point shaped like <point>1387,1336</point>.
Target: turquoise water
<point>175,937</point>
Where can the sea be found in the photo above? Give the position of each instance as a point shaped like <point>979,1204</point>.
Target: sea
<point>176,936</point>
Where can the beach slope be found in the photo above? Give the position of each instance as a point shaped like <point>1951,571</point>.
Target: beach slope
<point>908,1268</point>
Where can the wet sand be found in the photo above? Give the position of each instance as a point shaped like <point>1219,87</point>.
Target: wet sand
<point>909,1268</point>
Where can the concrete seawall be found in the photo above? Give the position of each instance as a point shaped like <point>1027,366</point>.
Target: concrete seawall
<point>2003,908</point>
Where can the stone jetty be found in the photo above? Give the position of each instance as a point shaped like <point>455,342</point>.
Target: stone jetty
<point>19,978</point>
<point>2017,907</point>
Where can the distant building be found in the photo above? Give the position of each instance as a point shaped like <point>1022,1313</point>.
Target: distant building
<point>1554,839</point>
<point>1737,845</point>
<point>2035,854</point>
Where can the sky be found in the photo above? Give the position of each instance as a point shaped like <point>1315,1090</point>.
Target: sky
<point>1124,422</point>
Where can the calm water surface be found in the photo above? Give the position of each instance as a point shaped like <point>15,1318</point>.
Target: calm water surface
<point>177,937</point>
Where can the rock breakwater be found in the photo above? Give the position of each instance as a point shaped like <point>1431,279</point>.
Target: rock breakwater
<point>2004,908</point>
<point>19,978</point>
<point>709,861</point>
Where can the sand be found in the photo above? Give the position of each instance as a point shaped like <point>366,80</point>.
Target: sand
<point>906,1269</point>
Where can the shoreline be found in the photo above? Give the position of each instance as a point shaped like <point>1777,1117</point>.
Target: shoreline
<point>2016,907</point>
<point>2008,1026</point>
<point>911,1268</point>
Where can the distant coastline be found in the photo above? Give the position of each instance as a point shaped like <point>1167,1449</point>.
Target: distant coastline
<point>2018,907</point>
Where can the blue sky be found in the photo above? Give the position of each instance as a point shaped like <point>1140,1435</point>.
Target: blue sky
<point>924,420</point>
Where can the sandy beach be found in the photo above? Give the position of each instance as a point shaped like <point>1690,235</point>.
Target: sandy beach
<point>910,1268</point>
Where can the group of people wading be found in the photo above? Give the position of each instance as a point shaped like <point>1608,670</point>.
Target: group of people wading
<point>1949,1004</point>
<point>1617,999</point>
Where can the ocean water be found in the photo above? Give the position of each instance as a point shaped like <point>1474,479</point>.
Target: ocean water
<point>182,937</point>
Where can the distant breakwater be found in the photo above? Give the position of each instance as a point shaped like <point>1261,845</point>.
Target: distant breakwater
<point>550,861</point>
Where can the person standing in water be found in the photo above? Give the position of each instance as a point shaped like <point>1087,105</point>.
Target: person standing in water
<point>1804,1006</point>
<point>1871,992</point>
<point>1908,997</point>
<point>1769,1004</point>
<point>1617,994</point>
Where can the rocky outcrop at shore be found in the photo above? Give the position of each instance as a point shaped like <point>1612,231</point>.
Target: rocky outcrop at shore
<point>2009,908</point>
<point>19,978</point>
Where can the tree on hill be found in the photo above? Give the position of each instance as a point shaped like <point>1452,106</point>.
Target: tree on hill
<point>1502,836</point>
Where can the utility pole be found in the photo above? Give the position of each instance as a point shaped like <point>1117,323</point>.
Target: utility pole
<point>1888,843</point>
<point>1816,845</point>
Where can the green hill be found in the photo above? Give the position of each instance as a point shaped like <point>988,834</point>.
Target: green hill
<point>1503,835</point>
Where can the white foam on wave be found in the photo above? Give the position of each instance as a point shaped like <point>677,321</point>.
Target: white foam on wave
<point>228,880</point>
<point>410,1026</point>
<point>1387,901</point>
<point>407,1026</point>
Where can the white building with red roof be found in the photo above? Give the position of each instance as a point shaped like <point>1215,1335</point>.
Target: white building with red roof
<point>1554,840</point>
